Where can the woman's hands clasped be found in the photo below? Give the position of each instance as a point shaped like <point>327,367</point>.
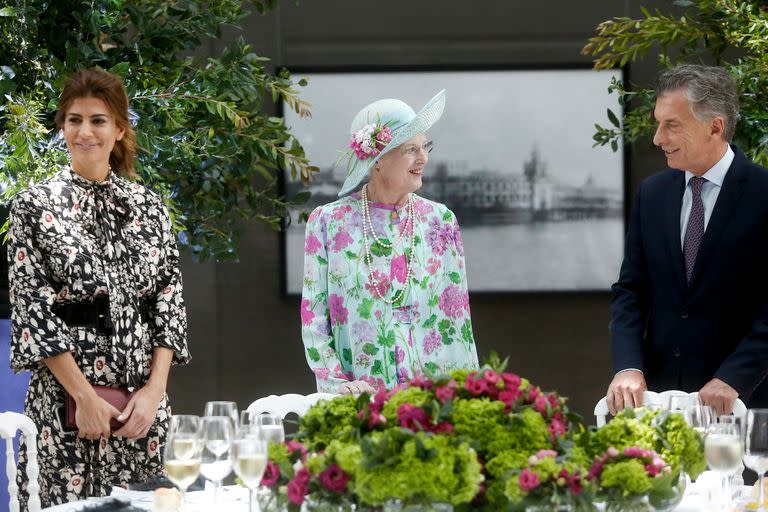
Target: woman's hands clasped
<point>140,412</point>
<point>92,417</point>
<point>355,387</point>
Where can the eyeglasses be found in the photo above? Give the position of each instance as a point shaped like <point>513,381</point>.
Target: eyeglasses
<point>411,150</point>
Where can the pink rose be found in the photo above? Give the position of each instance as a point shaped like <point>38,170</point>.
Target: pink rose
<point>540,404</point>
<point>511,381</point>
<point>271,474</point>
<point>528,480</point>
<point>412,417</point>
<point>297,488</point>
<point>334,479</point>
<point>294,446</point>
<point>447,392</point>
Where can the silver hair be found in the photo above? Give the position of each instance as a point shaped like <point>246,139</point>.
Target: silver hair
<point>710,90</point>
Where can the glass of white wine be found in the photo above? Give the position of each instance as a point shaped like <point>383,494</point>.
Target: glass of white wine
<point>756,448</point>
<point>271,428</point>
<point>723,449</point>
<point>182,451</point>
<point>216,458</point>
<point>250,456</point>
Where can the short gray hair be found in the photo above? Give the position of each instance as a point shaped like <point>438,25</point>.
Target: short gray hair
<point>710,90</point>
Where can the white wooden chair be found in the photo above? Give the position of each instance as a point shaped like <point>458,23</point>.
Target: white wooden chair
<point>661,399</point>
<point>10,423</point>
<point>282,405</point>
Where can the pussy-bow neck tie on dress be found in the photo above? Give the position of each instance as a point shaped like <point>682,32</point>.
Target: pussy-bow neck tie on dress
<point>106,205</point>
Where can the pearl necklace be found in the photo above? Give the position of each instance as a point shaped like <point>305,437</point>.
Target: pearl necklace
<point>367,218</point>
<point>400,294</point>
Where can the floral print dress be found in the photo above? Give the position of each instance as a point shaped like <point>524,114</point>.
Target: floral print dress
<point>349,333</point>
<point>72,240</point>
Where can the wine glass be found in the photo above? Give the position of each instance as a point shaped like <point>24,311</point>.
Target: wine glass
<point>271,428</point>
<point>216,459</point>
<point>250,456</point>
<point>699,417</point>
<point>182,451</point>
<point>678,403</point>
<point>218,408</point>
<point>756,447</point>
<point>723,449</point>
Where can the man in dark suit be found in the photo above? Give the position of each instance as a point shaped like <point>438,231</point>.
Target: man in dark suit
<point>690,308</point>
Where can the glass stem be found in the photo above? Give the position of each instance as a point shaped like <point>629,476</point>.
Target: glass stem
<point>761,493</point>
<point>250,499</point>
<point>216,487</point>
<point>726,489</point>
<point>183,498</point>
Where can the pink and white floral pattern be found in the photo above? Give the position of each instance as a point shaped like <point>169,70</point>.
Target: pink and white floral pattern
<point>351,334</point>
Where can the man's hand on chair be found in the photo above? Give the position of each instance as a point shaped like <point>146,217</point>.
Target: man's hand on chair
<point>719,395</point>
<point>626,390</point>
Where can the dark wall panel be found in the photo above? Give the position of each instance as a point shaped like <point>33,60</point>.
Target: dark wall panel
<point>245,336</point>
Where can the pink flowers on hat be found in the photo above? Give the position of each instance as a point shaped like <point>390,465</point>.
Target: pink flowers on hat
<point>369,140</point>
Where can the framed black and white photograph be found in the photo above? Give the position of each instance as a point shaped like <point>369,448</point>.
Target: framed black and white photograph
<point>540,209</point>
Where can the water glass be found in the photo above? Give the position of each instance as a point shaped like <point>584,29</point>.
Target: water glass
<point>228,409</point>
<point>699,417</point>
<point>756,447</point>
<point>216,459</point>
<point>182,451</point>
<point>723,449</point>
<point>678,403</point>
<point>250,457</point>
<point>271,428</point>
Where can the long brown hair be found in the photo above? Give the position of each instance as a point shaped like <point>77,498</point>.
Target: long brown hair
<point>97,83</point>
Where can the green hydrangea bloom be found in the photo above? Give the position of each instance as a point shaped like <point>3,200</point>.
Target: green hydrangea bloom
<point>623,431</point>
<point>529,434</point>
<point>415,396</point>
<point>347,455</point>
<point>316,463</point>
<point>329,420</point>
<point>278,453</point>
<point>483,421</point>
<point>679,445</point>
<point>501,465</point>
<point>450,473</point>
<point>629,476</point>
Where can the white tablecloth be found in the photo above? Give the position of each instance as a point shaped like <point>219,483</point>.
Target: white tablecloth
<point>235,499</point>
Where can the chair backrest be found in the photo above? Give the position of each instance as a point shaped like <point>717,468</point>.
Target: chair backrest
<point>282,405</point>
<point>10,423</point>
<point>662,399</point>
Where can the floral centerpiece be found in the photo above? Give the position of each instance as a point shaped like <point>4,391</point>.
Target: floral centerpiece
<point>478,440</point>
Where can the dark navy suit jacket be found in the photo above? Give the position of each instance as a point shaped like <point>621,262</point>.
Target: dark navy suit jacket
<point>682,335</point>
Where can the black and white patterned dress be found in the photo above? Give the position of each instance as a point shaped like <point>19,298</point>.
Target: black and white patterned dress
<point>72,240</point>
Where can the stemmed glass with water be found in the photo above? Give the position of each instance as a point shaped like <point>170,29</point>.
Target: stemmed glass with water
<point>723,449</point>
<point>756,447</point>
<point>182,451</point>
<point>216,458</point>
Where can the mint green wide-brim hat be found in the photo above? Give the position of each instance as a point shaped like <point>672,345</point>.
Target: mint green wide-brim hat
<point>404,123</point>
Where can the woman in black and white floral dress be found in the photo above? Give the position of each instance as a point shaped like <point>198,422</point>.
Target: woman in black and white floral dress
<point>96,299</point>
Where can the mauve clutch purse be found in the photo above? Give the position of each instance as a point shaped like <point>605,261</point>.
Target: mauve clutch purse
<point>118,397</point>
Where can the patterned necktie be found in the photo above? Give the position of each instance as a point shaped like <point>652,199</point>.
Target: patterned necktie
<point>695,230</point>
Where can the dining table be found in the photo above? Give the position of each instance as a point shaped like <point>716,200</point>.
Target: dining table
<point>700,496</point>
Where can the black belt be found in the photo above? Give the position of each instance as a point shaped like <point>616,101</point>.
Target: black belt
<point>94,314</point>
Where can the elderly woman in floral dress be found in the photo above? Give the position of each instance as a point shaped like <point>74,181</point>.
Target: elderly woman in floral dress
<point>385,289</point>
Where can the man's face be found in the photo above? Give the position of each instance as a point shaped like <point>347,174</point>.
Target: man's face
<point>688,144</point>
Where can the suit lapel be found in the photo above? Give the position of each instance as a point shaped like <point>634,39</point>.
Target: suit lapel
<point>674,203</point>
<point>733,187</point>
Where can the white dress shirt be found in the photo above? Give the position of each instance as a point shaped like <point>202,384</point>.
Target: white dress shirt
<point>709,192</point>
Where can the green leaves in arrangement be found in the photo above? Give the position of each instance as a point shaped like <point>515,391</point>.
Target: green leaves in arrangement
<point>698,30</point>
<point>206,145</point>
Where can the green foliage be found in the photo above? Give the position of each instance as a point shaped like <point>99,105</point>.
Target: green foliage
<point>329,420</point>
<point>206,146</point>
<point>416,467</point>
<point>701,29</point>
